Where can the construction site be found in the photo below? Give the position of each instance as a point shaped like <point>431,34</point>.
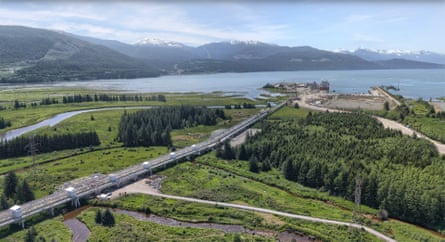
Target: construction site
<point>317,94</point>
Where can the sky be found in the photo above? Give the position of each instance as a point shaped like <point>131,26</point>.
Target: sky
<point>412,25</point>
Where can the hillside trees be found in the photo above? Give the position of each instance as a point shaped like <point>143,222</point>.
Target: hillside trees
<point>329,150</point>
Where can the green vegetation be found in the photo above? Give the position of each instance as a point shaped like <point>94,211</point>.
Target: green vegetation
<point>195,212</point>
<point>135,230</point>
<point>4,123</point>
<point>24,117</point>
<point>419,115</point>
<point>50,230</point>
<point>183,211</point>
<point>21,146</point>
<point>289,113</point>
<point>398,173</point>
<point>208,183</point>
<point>153,126</point>
<point>44,56</point>
<point>45,178</point>
<point>230,181</point>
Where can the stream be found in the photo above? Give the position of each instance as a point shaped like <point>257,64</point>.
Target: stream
<point>81,232</point>
<point>11,134</point>
<point>57,119</point>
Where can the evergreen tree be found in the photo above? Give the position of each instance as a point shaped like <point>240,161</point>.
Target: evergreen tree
<point>108,218</point>
<point>288,170</point>
<point>266,166</point>
<point>98,218</point>
<point>229,154</point>
<point>10,185</point>
<point>253,164</point>
<point>31,235</point>
<point>24,192</point>
<point>3,203</point>
<point>242,154</point>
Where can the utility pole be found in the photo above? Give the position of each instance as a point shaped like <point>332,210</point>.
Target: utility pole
<point>32,150</point>
<point>354,233</point>
<point>357,196</point>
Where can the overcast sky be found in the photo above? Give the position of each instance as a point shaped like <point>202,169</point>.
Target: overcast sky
<point>417,25</point>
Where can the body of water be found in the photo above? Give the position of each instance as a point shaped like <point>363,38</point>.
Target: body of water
<point>425,83</point>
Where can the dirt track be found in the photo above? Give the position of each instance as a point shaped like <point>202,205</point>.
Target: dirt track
<point>387,123</point>
<point>133,188</point>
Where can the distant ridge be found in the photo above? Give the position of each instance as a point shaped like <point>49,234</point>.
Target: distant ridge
<point>36,55</point>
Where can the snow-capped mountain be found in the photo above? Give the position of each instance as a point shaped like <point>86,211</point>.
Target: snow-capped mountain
<point>379,54</point>
<point>159,43</point>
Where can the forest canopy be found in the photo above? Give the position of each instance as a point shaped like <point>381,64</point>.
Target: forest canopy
<point>152,126</point>
<point>329,151</point>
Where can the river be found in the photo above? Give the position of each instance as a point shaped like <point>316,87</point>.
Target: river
<point>57,119</point>
<point>413,83</point>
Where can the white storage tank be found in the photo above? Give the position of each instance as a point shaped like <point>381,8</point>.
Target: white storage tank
<point>71,192</point>
<point>146,165</point>
<point>16,211</point>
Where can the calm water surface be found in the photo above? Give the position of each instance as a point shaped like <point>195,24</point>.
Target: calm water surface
<point>413,83</point>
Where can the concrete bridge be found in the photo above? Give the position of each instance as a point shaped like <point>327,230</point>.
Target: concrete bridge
<point>73,190</point>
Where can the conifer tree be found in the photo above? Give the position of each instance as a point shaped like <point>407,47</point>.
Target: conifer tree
<point>108,218</point>
<point>98,218</point>
<point>10,185</point>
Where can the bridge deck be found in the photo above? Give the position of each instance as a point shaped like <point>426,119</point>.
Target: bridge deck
<point>98,182</point>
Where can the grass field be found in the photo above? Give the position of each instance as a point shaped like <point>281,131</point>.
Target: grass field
<point>288,112</point>
<point>31,115</point>
<point>46,177</point>
<point>194,212</point>
<point>307,198</point>
<point>50,230</point>
<point>134,230</point>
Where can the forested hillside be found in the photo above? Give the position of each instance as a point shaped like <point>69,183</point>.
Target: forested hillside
<point>37,55</point>
<point>329,151</point>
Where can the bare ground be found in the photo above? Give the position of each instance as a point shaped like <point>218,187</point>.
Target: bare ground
<point>241,138</point>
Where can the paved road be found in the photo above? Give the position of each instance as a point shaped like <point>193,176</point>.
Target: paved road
<point>152,192</point>
<point>387,123</point>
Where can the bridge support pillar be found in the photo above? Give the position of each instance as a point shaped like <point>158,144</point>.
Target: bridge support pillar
<point>51,212</point>
<point>22,223</point>
<point>75,202</point>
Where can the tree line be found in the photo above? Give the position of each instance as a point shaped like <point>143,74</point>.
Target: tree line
<point>329,151</point>
<point>44,143</point>
<point>103,98</point>
<point>240,106</point>
<point>152,126</point>
<point>4,123</point>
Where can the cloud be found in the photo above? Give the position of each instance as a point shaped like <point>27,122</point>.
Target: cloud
<point>132,21</point>
<point>356,18</point>
<point>366,38</point>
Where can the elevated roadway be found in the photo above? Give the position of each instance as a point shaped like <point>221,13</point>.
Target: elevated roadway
<point>96,183</point>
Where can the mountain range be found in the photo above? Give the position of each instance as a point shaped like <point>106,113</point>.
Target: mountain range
<point>34,55</point>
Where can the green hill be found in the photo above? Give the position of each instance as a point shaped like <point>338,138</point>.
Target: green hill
<point>36,55</point>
